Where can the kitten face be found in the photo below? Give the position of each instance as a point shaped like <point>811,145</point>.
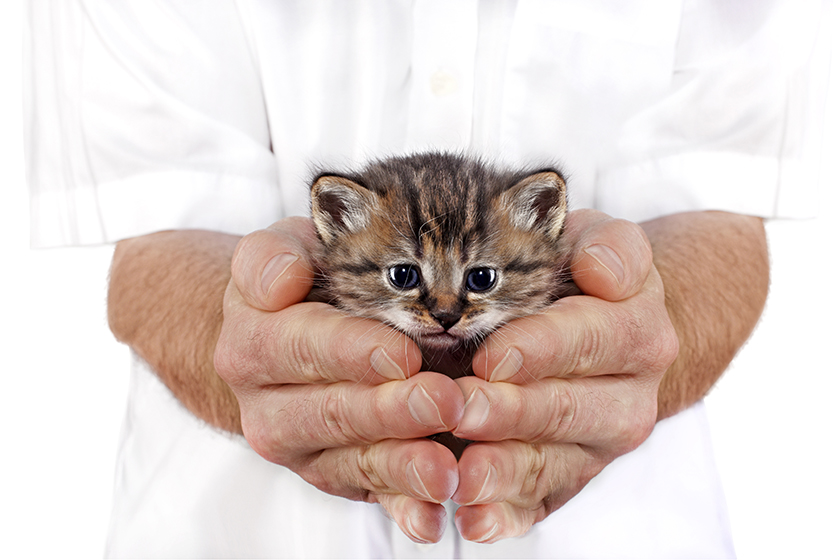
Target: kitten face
<point>441,247</point>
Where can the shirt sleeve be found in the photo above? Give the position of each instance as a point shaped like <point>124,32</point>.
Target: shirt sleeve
<point>143,116</point>
<point>740,127</point>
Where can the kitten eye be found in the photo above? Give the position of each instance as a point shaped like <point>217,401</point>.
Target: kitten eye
<point>481,279</point>
<point>404,276</point>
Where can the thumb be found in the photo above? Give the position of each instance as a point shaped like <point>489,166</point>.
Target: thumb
<point>272,268</point>
<point>611,258</point>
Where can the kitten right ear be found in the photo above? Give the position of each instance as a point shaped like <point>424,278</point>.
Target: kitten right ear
<point>538,202</point>
<point>339,205</point>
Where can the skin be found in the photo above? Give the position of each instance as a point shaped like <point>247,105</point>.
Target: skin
<point>223,322</point>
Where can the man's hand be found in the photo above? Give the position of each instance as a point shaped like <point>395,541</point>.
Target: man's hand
<point>559,395</point>
<point>336,399</point>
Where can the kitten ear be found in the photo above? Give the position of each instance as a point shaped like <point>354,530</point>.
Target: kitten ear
<point>340,205</point>
<point>538,202</point>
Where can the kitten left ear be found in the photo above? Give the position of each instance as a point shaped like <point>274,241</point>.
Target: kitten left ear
<point>538,202</point>
<point>340,205</point>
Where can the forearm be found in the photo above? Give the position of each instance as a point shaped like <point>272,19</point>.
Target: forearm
<point>715,269</point>
<point>165,301</point>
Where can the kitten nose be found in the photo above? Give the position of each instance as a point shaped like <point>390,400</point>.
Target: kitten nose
<point>446,319</point>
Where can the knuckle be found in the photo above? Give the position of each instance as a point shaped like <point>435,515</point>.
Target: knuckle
<point>223,361</point>
<point>336,479</point>
<point>662,348</point>
<point>655,347</point>
<point>669,347</point>
<point>634,426</point>
<point>258,441</point>
<point>536,470</point>
<point>238,354</point>
<point>586,351</point>
<point>230,364</point>
<point>562,413</point>
<point>369,478</point>
<point>300,351</point>
<point>334,411</point>
<point>566,409</point>
<point>263,440</point>
<point>518,412</point>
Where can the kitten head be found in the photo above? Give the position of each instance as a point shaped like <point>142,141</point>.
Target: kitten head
<point>441,247</point>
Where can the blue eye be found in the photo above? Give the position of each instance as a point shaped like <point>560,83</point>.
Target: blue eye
<point>481,279</point>
<point>404,276</point>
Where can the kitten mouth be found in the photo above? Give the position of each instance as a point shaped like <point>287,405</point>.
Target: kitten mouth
<point>441,341</point>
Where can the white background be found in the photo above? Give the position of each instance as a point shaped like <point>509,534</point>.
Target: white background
<point>64,379</point>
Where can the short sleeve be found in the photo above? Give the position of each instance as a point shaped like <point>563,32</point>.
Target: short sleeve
<point>740,127</point>
<point>143,116</point>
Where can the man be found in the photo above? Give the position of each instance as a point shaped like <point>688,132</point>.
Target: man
<point>171,123</point>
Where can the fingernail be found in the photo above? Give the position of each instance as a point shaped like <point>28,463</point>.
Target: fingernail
<point>382,364</point>
<point>275,268</point>
<point>411,532</point>
<point>489,535</point>
<point>476,411</point>
<point>423,409</point>
<point>608,259</point>
<point>416,482</point>
<point>489,485</point>
<point>509,365</point>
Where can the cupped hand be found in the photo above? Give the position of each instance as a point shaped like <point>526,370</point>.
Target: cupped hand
<point>336,399</point>
<point>559,395</point>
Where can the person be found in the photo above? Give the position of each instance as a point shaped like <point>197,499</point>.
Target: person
<point>173,130</point>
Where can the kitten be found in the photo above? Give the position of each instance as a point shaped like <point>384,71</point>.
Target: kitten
<point>442,247</point>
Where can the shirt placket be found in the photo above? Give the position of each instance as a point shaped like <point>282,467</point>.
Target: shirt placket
<point>442,75</point>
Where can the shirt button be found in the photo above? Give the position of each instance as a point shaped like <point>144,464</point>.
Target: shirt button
<point>443,83</point>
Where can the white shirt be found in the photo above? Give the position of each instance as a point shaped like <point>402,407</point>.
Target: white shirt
<point>147,115</point>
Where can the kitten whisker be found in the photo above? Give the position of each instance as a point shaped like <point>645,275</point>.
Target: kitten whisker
<point>505,223</point>
<point>396,229</point>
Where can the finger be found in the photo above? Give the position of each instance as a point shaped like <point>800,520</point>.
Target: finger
<point>295,421</point>
<point>272,268</point>
<point>309,343</point>
<point>581,336</point>
<point>423,522</point>
<point>420,469</point>
<point>535,478</point>
<point>600,412</point>
<point>506,487</point>
<point>490,523</point>
<point>611,258</point>
<point>409,478</point>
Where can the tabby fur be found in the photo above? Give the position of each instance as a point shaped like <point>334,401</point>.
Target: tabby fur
<point>446,216</point>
